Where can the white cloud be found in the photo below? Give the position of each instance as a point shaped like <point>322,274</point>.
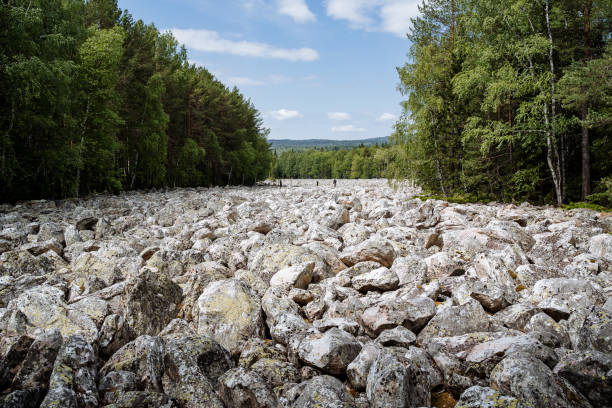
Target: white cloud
<point>396,16</point>
<point>392,16</point>
<point>296,9</point>
<point>338,116</point>
<point>210,41</point>
<point>354,11</point>
<point>386,116</point>
<point>244,81</point>
<point>284,114</point>
<point>347,128</point>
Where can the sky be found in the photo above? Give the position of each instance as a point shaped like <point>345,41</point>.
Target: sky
<point>316,69</point>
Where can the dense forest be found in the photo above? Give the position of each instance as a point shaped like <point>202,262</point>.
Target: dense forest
<point>510,99</point>
<point>92,100</point>
<point>359,162</point>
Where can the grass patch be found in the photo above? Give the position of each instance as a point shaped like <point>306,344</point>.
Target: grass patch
<point>453,199</point>
<point>589,206</point>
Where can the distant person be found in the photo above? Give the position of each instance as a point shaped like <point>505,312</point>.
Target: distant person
<point>334,183</point>
<point>280,183</point>
<point>317,183</point>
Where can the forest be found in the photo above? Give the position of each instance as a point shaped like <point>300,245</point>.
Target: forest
<point>92,100</point>
<point>510,100</point>
<point>365,162</point>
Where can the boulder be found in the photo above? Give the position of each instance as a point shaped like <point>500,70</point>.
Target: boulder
<point>74,378</point>
<point>373,249</point>
<point>381,279</point>
<point>241,387</point>
<point>296,276</point>
<point>150,301</point>
<point>323,391</point>
<point>393,384</point>
<point>331,351</point>
<point>229,312</point>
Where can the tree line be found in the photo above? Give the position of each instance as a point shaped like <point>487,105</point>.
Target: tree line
<point>383,161</point>
<point>92,101</point>
<point>509,99</point>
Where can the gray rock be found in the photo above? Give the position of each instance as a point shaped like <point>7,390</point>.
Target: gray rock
<point>74,378</point>
<point>323,391</point>
<point>381,279</point>
<point>296,276</point>
<point>399,336</point>
<point>143,357</point>
<point>457,320</point>
<point>357,370</point>
<point>331,351</point>
<point>374,249</point>
<point>531,381</point>
<point>393,384</point>
<point>114,334</point>
<point>150,301</point>
<point>591,329</point>
<point>229,312</point>
<point>412,313</point>
<point>192,367</point>
<point>485,397</point>
<point>243,388</point>
<point>276,372</point>
<point>589,372</point>
<point>601,246</point>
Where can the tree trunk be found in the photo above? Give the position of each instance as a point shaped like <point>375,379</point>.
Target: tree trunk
<point>586,159</point>
<point>554,160</point>
<point>80,160</point>
<point>437,160</point>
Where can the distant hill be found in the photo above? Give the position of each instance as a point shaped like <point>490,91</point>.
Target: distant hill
<point>287,144</point>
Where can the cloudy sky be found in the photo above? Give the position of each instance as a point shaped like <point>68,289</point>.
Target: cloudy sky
<point>320,69</point>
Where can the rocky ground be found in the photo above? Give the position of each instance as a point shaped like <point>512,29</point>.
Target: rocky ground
<point>305,296</point>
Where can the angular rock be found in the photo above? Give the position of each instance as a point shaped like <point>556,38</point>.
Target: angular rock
<point>331,351</point>
<point>323,391</point>
<point>74,378</point>
<point>589,372</point>
<point>243,388</point>
<point>392,384</point>
<point>297,276</point>
<point>381,279</point>
<point>150,301</point>
<point>374,249</point>
<point>229,312</point>
<point>485,397</point>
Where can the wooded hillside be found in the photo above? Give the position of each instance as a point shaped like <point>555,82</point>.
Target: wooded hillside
<point>510,99</point>
<point>93,100</point>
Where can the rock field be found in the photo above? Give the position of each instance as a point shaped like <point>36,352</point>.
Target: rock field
<point>305,296</point>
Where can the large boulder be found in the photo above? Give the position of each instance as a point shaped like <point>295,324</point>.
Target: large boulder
<point>394,384</point>
<point>192,367</point>
<point>485,397</point>
<point>229,312</point>
<point>331,351</point>
<point>531,381</point>
<point>374,249</point>
<point>240,387</point>
<point>74,377</point>
<point>589,372</point>
<point>323,391</point>
<point>150,301</point>
<point>274,257</point>
<point>457,320</point>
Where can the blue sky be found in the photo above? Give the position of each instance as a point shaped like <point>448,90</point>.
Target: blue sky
<point>321,69</point>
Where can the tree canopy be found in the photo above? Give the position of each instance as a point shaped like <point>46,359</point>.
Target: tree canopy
<point>509,99</point>
<point>92,101</point>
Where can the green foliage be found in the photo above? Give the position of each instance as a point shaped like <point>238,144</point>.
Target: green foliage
<point>358,162</point>
<point>489,113</point>
<point>93,101</point>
